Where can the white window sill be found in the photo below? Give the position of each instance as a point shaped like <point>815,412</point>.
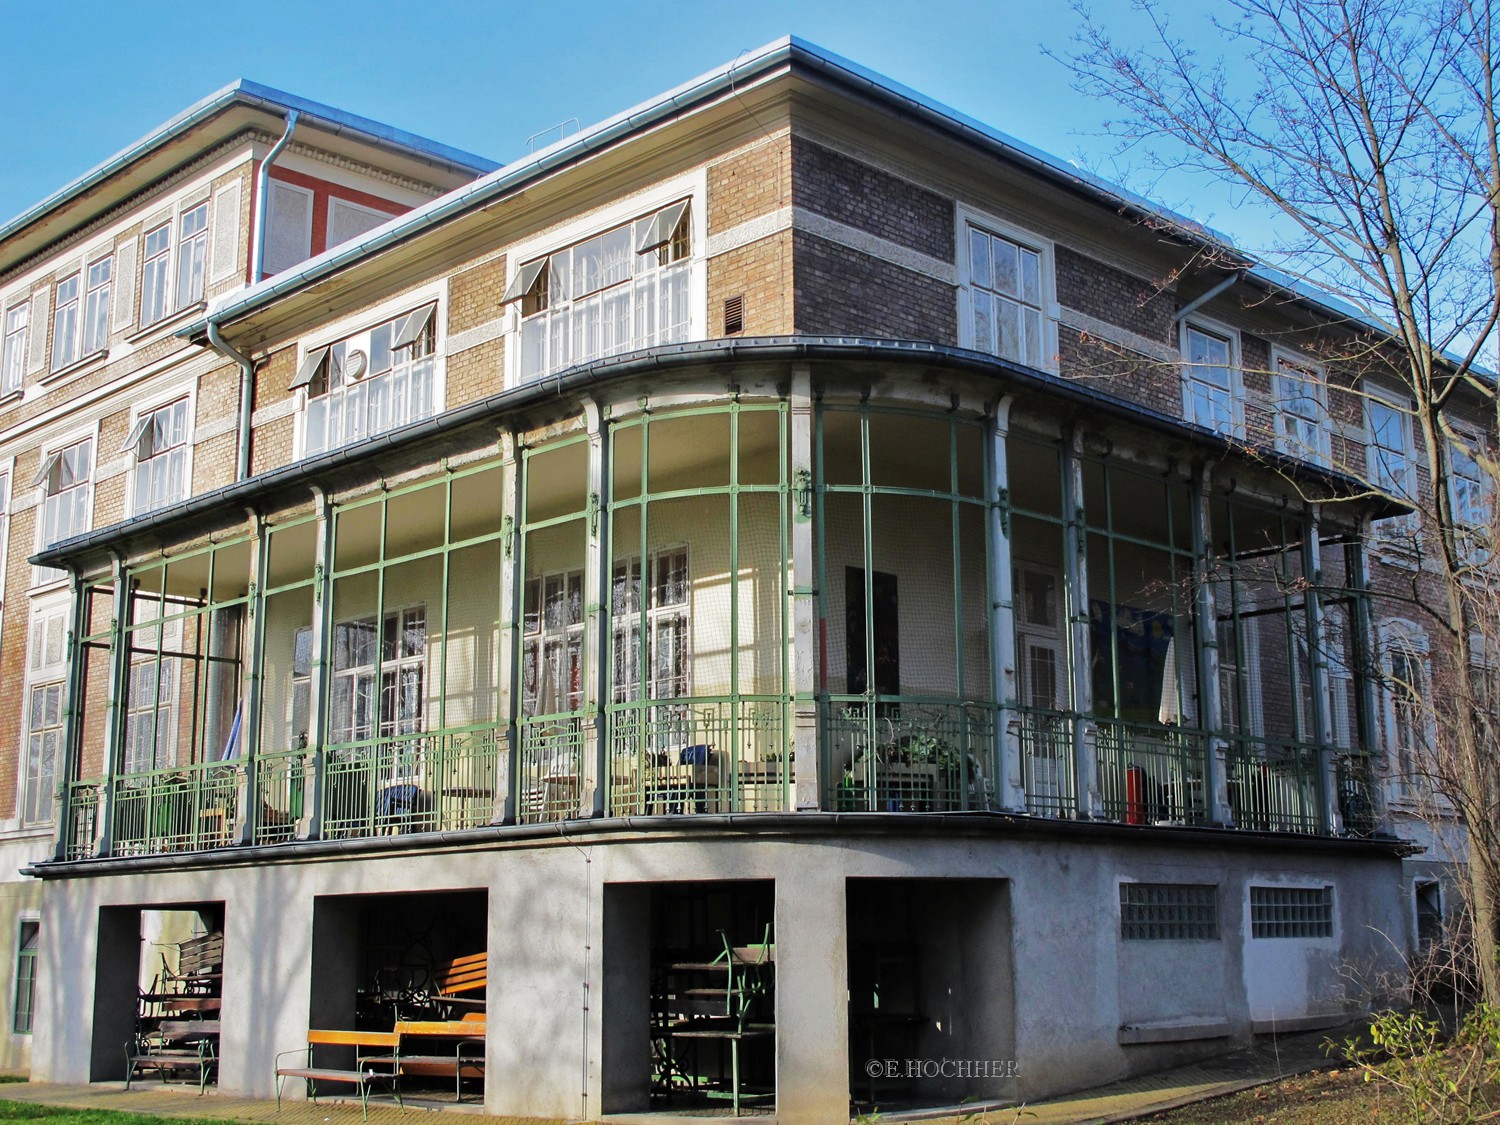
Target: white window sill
<point>163,326</point>
<point>26,831</point>
<point>77,367</point>
<point>50,584</point>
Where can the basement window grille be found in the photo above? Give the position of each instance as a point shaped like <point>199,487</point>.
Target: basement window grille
<point>1291,912</point>
<point>1169,912</point>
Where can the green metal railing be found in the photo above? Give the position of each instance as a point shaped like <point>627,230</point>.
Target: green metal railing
<point>698,756</point>
<point>550,773</point>
<point>1047,769</point>
<point>694,756</point>
<point>180,809</point>
<point>81,802</point>
<point>1275,785</point>
<point>908,755</point>
<point>281,786</point>
<point>1151,773</point>
<point>411,783</point>
<point>1355,777</point>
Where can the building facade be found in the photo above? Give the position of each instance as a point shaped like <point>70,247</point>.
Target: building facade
<point>786,517</point>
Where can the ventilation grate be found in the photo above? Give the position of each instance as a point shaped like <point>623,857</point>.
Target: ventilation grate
<point>734,315</point>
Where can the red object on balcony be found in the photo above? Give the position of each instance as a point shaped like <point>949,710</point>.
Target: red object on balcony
<point>1135,795</point>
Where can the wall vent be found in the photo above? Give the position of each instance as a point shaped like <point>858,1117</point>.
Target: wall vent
<point>734,315</point>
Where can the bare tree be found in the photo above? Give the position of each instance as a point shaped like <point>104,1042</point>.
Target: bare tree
<point>1369,127</point>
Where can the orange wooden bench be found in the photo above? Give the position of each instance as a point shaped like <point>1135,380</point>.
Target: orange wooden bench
<point>466,1059</point>
<point>453,978</point>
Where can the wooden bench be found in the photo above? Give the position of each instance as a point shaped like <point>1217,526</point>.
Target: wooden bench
<point>459,975</point>
<point>368,1068</point>
<point>466,1059</point>
<point>200,963</point>
<point>175,1045</point>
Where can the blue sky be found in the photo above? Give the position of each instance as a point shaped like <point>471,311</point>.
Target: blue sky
<point>79,81</point>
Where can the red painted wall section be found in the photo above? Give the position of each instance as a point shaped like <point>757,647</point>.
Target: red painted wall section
<point>323,191</point>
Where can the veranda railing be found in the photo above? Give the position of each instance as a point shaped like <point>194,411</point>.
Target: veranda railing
<point>698,755</point>
<point>908,755</point>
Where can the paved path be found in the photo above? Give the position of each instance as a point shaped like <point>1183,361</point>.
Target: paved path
<point>1120,1101</point>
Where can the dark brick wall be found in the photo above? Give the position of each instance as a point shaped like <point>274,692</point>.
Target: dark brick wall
<point>843,292</point>
<point>1134,303</point>
<point>858,195</point>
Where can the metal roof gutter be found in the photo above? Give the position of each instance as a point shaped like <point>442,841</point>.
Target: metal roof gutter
<point>997,826</point>
<point>495,186</point>
<point>835,68</point>
<point>255,96</point>
<point>167,523</point>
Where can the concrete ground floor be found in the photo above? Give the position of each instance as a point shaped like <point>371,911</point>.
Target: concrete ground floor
<point>891,960</point>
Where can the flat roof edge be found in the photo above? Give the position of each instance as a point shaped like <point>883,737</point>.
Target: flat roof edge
<point>255,95</point>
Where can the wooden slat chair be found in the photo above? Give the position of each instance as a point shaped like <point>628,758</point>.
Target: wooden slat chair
<point>454,985</point>
<point>175,1045</point>
<point>200,963</point>
<point>454,978</point>
<point>466,1060</point>
<point>368,1068</point>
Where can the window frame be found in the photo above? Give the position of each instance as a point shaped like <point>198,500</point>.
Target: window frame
<point>198,242</point>
<point>13,361</point>
<point>159,705</point>
<point>43,576</point>
<point>1320,452</point>
<point>392,313</point>
<point>1330,902</point>
<point>654,617</point>
<point>567,636</point>
<point>1140,929</point>
<point>1397,635</point>
<point>1473,519</point>
<point>97,304</point>
<point>1404,490</point>
<point>970,217</point>
<point>374,674</point>
<point>168,262</point>
<point>23,978</point>
<point>65,336</point>
<point>131,449</point>
<point>1234,365</point>
<point>161,260</point>
<point>36,792</point>
<point>526,254</point>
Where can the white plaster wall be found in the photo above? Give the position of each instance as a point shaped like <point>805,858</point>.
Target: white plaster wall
<point>545,942</point>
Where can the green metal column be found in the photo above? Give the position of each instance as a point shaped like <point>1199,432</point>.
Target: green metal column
<point>594,765</point>
<point>249,795</point>
<point>803,640</point>
<point>1206,627</point>
<point>1075,588</point>
<point>511,589</point>
<point>115,708</point>
<point>1010,789</point>
<point>64,772</point>
<point>310,826</point>
<point>1362,655</point>
<point>1331,819</point>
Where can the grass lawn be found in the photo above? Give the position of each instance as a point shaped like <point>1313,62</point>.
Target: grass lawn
<point>21,1111</point>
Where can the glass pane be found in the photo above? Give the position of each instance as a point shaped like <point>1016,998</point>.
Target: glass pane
<point>979,259</point>
<point>1007,267</point>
